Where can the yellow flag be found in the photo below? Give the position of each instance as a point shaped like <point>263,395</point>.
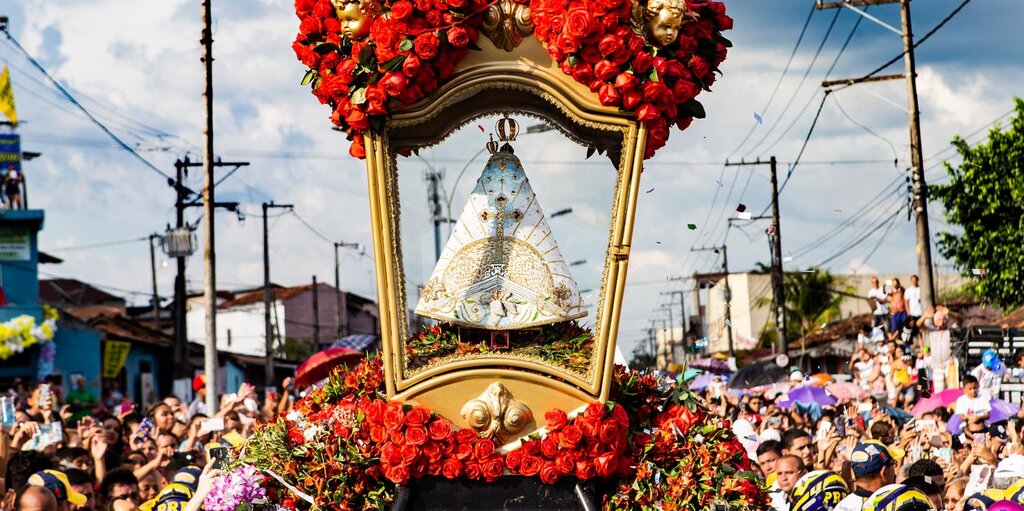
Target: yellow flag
<point>7,97</point>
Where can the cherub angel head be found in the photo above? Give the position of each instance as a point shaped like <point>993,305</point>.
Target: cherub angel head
<point>355,16</point>
<point>662,20</point>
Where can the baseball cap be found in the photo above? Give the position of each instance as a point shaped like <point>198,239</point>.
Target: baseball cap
<point>198,382</point>
<point>898,497</point>
<point>982,500</point>
<point>870,457</point>
<point>188,476</point>
<point>57,482</point>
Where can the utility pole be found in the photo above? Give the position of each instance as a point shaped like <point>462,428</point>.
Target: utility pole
<point>316,315</point>
<point>209,254</point>
<point>924,248</point>
<point>337,285</point>
<point>684,322</point>
<point>727,292</point>
<point>775,237</point>
<point>268,329</point>
<point>669,336</point>
<point>152,267</point>
<point>434,178</point>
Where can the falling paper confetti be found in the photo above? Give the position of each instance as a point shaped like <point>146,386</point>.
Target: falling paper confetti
<point>717,252</point>
<point>651,190</point>
<point>744,215</point>
<point>787,259</point>
<point>979,271</point>
<point>728,323</point>
<point>837,210</point>
<point>757,117</point>
<point>771,229</point>
<point>658,242</point>
<point>692,227</point>
<point>719,183</point>
<point>481,126</point>
<point>741,208</point>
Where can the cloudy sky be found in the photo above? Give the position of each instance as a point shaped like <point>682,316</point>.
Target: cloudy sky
<point>135,66</point>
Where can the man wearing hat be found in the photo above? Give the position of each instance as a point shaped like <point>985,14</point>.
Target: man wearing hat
<point>179,491</point>
<point>198,405</point>
<point>57,483</point>
<point>873,467</point>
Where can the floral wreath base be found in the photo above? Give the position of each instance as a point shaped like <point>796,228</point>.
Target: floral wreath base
<point>411,47</point>
<point>345,446</point>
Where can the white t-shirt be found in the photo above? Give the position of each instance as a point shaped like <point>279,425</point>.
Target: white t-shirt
<point>852,502</point>
<point>988,380</point>
<point>864,370</point>
<point>913,296</point>
<point>880,298</point>
<point>977,406</point>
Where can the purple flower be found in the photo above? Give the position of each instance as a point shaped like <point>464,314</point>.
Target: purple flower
<point>241,486</point>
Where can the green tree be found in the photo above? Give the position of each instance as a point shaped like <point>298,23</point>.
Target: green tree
<point>985,199</point>
<point>812,299</point>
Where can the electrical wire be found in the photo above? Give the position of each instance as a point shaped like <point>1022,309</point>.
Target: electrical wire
<point>891,218</point>
<point>101,244</point>
<point>313,229</point>
<point>895,153</point>
<point>73,101</point>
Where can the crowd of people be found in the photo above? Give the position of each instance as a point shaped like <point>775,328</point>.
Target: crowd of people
<point>110,455</point>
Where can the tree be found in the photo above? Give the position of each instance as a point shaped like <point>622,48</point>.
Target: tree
<point>812,299</point>
<point>985,199</point>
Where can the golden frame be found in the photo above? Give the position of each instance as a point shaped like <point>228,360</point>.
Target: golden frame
<point>523,81</point>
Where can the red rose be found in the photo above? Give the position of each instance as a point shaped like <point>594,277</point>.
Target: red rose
<point>513,458</point>
<point>432,451</point>
<point>684,91</point>
<point>309,58</point>
<point>377,432</point>
<point>608,432</point>
<point>605,70</point>
<point>625,82</point>
<point>457,4</point>
<point>608,96</point>
<point>606,464</point>
<point>424,5</point>
<point>401,9</point>
<point>416,435</point>
<point>625,468</point>
<point>397,437</point>
<point>571,436</point>
<point>590,54</point>
<point>473,470</point>
<point>631,99</point>
<point>418,415</point>
<point>549,473</point>
<point>493,468</point>
<point>304,7</point>
<point>647,113</point>
<point>409,453</point>
<point>585,470</point>
<point>583,73</point>
<point>295,436</point>
<point>394,84</point>
<point>555,419</point>
<point>635,44</point>
<point>426,45</point>
<point>311,26</point>
<point>642,63</point>
<point>466,436</point>
<point>565,463</point>
<point>452,468</point>
<point>530,466</point>
<point>440,429</point>
<point>346,73</point>
<point>700,67</point>
<point>458,37</point>
<point>359,122</point>
<point>464,452</point>
<point>587,426</point>
<point>483,448</point>
<point>411,65</point>
<point>531,446</point>
<point>655,92</point>
<point>323,9</point>
<point>577,22</point>
<point>393,413</point>
<point>549,447</point>
<point>609,44</point>
<point>398,474</point>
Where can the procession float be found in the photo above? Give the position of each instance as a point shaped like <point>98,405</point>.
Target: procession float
<point>496,386</point>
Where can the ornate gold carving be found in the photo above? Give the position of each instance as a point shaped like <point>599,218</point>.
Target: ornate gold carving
<point>507,23</point>
<point>496,414</point>
<point>355,16</point>
<point>660,20</point>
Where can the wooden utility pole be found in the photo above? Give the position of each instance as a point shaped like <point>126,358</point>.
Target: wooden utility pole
<point>209,254</point>
<point>775,236</point>
<point>924,248</point>
<point>337,285</point>
<point>152,268</point>
<point>727,293</point>
<point>316,315</point>
<point>268,329</point>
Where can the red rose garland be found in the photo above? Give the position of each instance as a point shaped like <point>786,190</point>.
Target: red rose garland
<point>592,41</point>
<point>412,47</point>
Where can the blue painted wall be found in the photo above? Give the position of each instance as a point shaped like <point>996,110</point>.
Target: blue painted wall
<point>234,375</point>
<point>78,351</point>
<point>21,277</point>
<point>139,356</point>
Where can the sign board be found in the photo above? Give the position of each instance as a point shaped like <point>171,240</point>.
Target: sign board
<point>115,353</point>
<point>15,244</point>
<point>10,152</point>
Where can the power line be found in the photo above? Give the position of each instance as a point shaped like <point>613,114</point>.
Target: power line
<point>100,244</point>
<point>891,218</point>
<point>313,229</point>
<point>895,153</point>
<point>73,101</point>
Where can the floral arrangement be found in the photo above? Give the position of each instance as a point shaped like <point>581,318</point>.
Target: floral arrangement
<point>239,490</point>
<point>654,446</point>
<point>567,345</point>
<point>411,46</point>
<point>593,41</point>
<point>20,332</point>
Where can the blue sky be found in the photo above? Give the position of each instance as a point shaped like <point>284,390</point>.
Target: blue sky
<point>136,66</point>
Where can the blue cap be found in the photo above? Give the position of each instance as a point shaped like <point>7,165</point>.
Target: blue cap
<point>870,457</point>
<point>188,476</point>
<point>990,359</point>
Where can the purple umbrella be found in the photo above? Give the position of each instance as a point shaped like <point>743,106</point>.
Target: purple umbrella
<point>806,395</point>
<point>1001,410</point>
<point>702,381</point>
<point>711,365</point>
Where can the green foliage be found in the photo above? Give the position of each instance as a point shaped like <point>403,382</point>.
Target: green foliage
<point>812,299</point>
<point>985,199</point>
<point>295,349</point>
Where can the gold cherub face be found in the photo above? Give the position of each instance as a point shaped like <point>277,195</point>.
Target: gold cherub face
<point>663,19</point>
<point>355,17</point>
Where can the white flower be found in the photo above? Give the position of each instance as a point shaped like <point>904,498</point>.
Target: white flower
<point>294,416</point>
<point>310,433</point>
